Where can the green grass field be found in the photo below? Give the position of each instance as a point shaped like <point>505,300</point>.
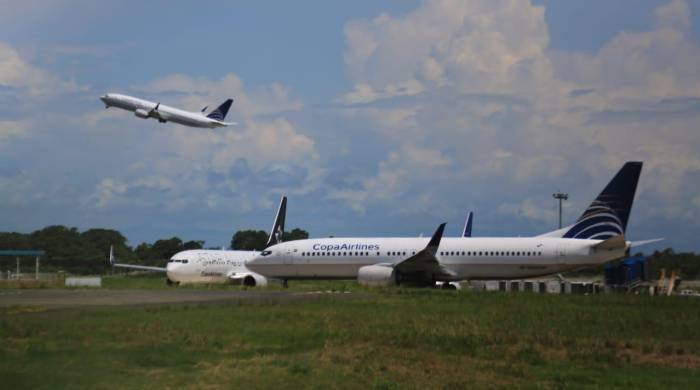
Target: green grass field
<point>390,338</point>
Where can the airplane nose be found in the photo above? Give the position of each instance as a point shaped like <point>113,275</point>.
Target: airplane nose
<point>253,263</point>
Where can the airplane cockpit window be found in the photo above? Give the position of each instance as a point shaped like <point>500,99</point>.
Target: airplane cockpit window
<point>265,253</point>
<point>185,261</point>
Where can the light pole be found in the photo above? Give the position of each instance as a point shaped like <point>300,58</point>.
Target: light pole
<point>561,197</point>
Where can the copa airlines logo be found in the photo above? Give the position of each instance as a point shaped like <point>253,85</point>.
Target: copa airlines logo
<point>345,247</point>
<point>599,222</point>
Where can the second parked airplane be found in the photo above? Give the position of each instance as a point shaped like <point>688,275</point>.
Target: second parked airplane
<point>214,266</point>
<point>146,109</point>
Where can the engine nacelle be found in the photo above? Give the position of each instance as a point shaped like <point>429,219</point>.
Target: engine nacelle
<point>141,113</point>
<point>249,279</point>
<point>376,275</point>
<point>255,280</point>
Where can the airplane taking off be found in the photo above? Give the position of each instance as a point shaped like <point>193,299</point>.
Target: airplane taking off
<point>596,237</point>
<point>146,109</point>
<point>214,266</point>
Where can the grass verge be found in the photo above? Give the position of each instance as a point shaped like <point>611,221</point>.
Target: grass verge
<point>393,338</point>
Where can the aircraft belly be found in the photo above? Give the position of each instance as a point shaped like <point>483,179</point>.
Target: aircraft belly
<point>517,270</point>
<point>328,270</point>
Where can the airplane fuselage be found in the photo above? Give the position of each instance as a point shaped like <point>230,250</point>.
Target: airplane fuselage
<point>146,109</point>
<point>213,266</point>
<point>464,258</point>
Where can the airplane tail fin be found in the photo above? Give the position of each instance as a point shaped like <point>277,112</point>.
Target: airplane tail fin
<point>467,232</point>
<point>220,113</point>
<point>278,227</point>
<point>607,216</point>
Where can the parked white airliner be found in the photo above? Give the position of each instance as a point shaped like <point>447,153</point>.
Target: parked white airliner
<point>597,237</point>
<point>146,109</point>
<point>215,266</point>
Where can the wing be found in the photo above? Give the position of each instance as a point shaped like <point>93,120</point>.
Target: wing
<point>141,267</point>
<point>425,260</point>
<point>132,266</point>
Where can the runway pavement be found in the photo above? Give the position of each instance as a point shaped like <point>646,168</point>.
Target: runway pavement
<point>68,298</point>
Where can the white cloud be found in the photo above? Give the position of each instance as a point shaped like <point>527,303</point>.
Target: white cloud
<point>196,92</point>
<point>530,209</point>
<point>477,46</point>
<point>400,178</point>
<point>27,79</point>
<point>511,115</point>
<point>11,129</point>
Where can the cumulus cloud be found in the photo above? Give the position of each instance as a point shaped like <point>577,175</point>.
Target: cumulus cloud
<point>477,46</point>
<point>23,77</point>
<point>10,129</point>
<point>478,82</point>
<point>197,92</point>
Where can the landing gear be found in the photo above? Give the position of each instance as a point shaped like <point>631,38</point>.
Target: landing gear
<point>448,286</point>
<point>169,282</point>
<point>284,283</point>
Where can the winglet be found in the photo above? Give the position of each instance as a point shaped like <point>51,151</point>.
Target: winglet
<point>111,254</point>
<point>434,242</point>
<point>467,232</point>
<point>278,226</point>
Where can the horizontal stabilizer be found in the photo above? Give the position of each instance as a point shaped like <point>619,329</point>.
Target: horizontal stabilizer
<point>634,244</point>
<point>612,243</point>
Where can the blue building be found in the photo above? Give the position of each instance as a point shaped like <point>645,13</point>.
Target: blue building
<point>628,272</point>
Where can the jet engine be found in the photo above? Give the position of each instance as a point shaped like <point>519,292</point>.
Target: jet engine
<point>255,280</point>
<point>376,275</point>
<point>141,113</point>
<point>248,279</point>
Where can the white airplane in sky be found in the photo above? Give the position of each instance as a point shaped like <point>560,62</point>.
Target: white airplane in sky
<point>214,266</point>
<point>596,237</point>
<point>146,109</point>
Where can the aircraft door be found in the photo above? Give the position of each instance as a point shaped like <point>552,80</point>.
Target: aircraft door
<point>561,253</point>
<point>288,255</point>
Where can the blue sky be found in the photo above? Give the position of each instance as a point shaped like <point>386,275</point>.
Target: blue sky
<point>374,117</point>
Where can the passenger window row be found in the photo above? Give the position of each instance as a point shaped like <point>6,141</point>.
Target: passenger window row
<point>319,254</point>
<point>491,253</point>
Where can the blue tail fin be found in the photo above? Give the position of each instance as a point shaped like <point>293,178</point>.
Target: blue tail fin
<point>468,225</point>
<point>220,113</point>
<point>608,214</point>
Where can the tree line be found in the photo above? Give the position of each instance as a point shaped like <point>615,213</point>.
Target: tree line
<point>73,251</point>
<point>87,252</point>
